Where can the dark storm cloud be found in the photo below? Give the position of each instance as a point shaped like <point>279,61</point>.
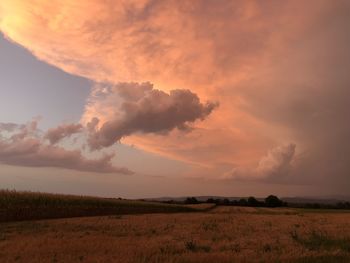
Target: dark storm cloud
<point>308,93</point>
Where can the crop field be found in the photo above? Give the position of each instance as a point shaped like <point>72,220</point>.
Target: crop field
<point>222,234</point>
<point>17,206</point>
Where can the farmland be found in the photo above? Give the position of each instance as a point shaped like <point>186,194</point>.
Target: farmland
<point>222,234</point>
<point>17,206</point>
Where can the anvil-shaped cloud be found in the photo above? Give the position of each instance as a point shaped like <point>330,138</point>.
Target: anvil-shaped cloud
<point>277,68</point>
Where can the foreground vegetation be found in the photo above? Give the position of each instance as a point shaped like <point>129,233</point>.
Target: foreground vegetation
<point>194,232</point>
<point>16,206</point>
<point>223,234</point>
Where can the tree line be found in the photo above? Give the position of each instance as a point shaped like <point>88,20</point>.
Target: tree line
<point>269,201</point>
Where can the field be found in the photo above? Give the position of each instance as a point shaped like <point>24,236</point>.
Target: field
<point>17,206</point>
<point>222,234</point>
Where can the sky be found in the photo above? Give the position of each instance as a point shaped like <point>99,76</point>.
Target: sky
<point>148,98</point>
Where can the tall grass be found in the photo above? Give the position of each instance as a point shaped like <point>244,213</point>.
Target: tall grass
<point>17,206</point>
<point>323,259</point>
<point>321,241</point>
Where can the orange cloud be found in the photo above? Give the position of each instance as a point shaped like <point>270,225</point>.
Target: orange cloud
<point>276,163</point>
<point>261,60</point>
<point>211,141</point>
<point>207,47</point>
<point>170,43</point>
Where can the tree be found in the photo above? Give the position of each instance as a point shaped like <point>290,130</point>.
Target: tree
<point>242,202</point>
<point>191,200</point>
<point>253,202</point>
<point>234,202</point>
<point>226,201</point>
<point>273,201</point>
<point>211,201</point>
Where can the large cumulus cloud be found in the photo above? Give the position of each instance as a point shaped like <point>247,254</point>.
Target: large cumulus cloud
<point>275,165</point>
<point>144,109</point>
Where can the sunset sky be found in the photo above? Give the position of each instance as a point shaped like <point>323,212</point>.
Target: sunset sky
<point>147,98</point>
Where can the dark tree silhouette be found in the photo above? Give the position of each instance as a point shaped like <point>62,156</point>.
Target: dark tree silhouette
<point>273,201</point>
<point>253,202</point>
<point>242,202</point>
<point>211,201</point>
<point>191,200</point>
<point>226,201</point>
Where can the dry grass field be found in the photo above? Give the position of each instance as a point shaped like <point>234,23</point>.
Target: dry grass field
<point>223,234</point>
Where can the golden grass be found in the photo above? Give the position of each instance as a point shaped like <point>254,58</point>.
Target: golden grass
<point>224,234</point>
